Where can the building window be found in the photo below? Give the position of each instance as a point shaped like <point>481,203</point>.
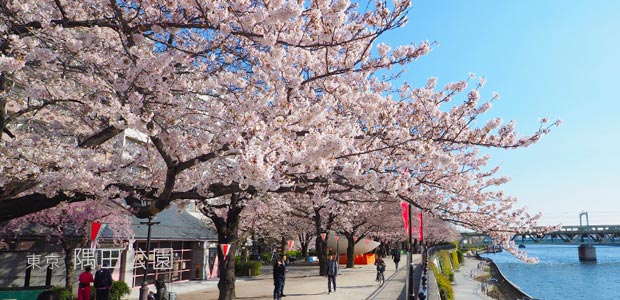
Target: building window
<point>180,266</point>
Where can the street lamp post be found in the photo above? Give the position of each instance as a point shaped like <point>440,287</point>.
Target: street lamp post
<point>144,289</point>
<point>323,254</point>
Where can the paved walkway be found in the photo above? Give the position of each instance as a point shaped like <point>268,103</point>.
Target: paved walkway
<point>467,288</point>
<point>303,282</point>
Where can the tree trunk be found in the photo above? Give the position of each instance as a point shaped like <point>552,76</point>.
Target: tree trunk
<point>69,269</point>
<point>303,243</point>
<point>381,250</point>
<point>320,252</point>
<point>226,284</point>
<point>283,245</point>
<point>69,246</point>
<point>244,254</point>
<point>2,105</point>
<point>227,233</point>
<point>319,244</point>
<point>350,251</point>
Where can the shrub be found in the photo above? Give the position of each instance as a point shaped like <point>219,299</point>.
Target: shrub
<point>64,293</point>
<point>460,257</point>
<point>119,290</point>
<point>445,263</point>
<point>455,259</point>
<point>293,253</point>
<point>266,257</point>
<point>249,268</point>
<point>443,283</point>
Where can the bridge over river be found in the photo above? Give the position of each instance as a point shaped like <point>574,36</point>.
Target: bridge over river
<point>593,234</point>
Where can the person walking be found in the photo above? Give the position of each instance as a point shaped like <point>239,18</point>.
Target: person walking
<point>103,283</point>
<point>284,263</point>
<point>332,272</point>
<point>396,258</point>
<point>278,279</point>
<point>380,263</point>
<point>84,282</point>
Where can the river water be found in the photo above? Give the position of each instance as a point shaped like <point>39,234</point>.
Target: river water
<point>561,276</point>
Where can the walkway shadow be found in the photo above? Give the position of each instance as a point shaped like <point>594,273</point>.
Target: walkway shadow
<point>356,286</point>
<point>388,281</point>
<point>305,294</point>
<point>256,297</point>
<point>288,295</point>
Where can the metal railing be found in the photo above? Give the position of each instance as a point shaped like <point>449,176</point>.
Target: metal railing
<point>423,281</point>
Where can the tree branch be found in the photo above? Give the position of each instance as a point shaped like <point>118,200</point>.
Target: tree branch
<point>21,206</point>
<point>101,137</point>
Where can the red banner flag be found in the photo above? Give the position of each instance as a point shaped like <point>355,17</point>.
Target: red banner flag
<point>336,237</point>
<point>95,230</point>
<point>290,245</point>
<point>405,209</point>
<point>225,249</point>
<point>421,231</point>
<point>323,235</point>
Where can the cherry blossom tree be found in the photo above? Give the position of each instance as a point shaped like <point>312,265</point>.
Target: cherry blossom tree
<point>276,220</point>
<point>226,101</point>
<point>363,215</point>
<point>436,230</point>
<point>304,237</point>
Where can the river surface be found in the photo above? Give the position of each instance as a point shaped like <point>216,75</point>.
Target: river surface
<point>561,276</point>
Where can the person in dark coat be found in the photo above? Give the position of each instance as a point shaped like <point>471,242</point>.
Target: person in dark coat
<point>103,283</point>
<point>332,272</point>
<point>278,279</point>
<point>284,263</point>
<point>396,258</point>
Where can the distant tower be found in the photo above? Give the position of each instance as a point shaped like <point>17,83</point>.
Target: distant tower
<point>586,250</point>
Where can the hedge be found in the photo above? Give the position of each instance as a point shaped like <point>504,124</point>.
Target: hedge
<point>293,253</point>
<point>445,263</point>
<point>443,283</point>
<point>243,269</point>
<point>455,260</point>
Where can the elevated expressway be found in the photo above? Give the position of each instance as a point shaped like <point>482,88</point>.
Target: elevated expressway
<point>594,234</point>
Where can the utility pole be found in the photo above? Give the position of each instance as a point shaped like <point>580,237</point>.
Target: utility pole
<point>144,289</point>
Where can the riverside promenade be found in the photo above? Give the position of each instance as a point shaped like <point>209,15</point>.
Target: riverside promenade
<point>465,287</point>
<point>303,282</point>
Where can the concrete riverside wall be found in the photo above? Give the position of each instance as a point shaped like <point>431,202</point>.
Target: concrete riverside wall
<point>509,291</point>
<point>433,289</point>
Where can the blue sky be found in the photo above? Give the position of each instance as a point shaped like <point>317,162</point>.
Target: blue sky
<point>556,59</point>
